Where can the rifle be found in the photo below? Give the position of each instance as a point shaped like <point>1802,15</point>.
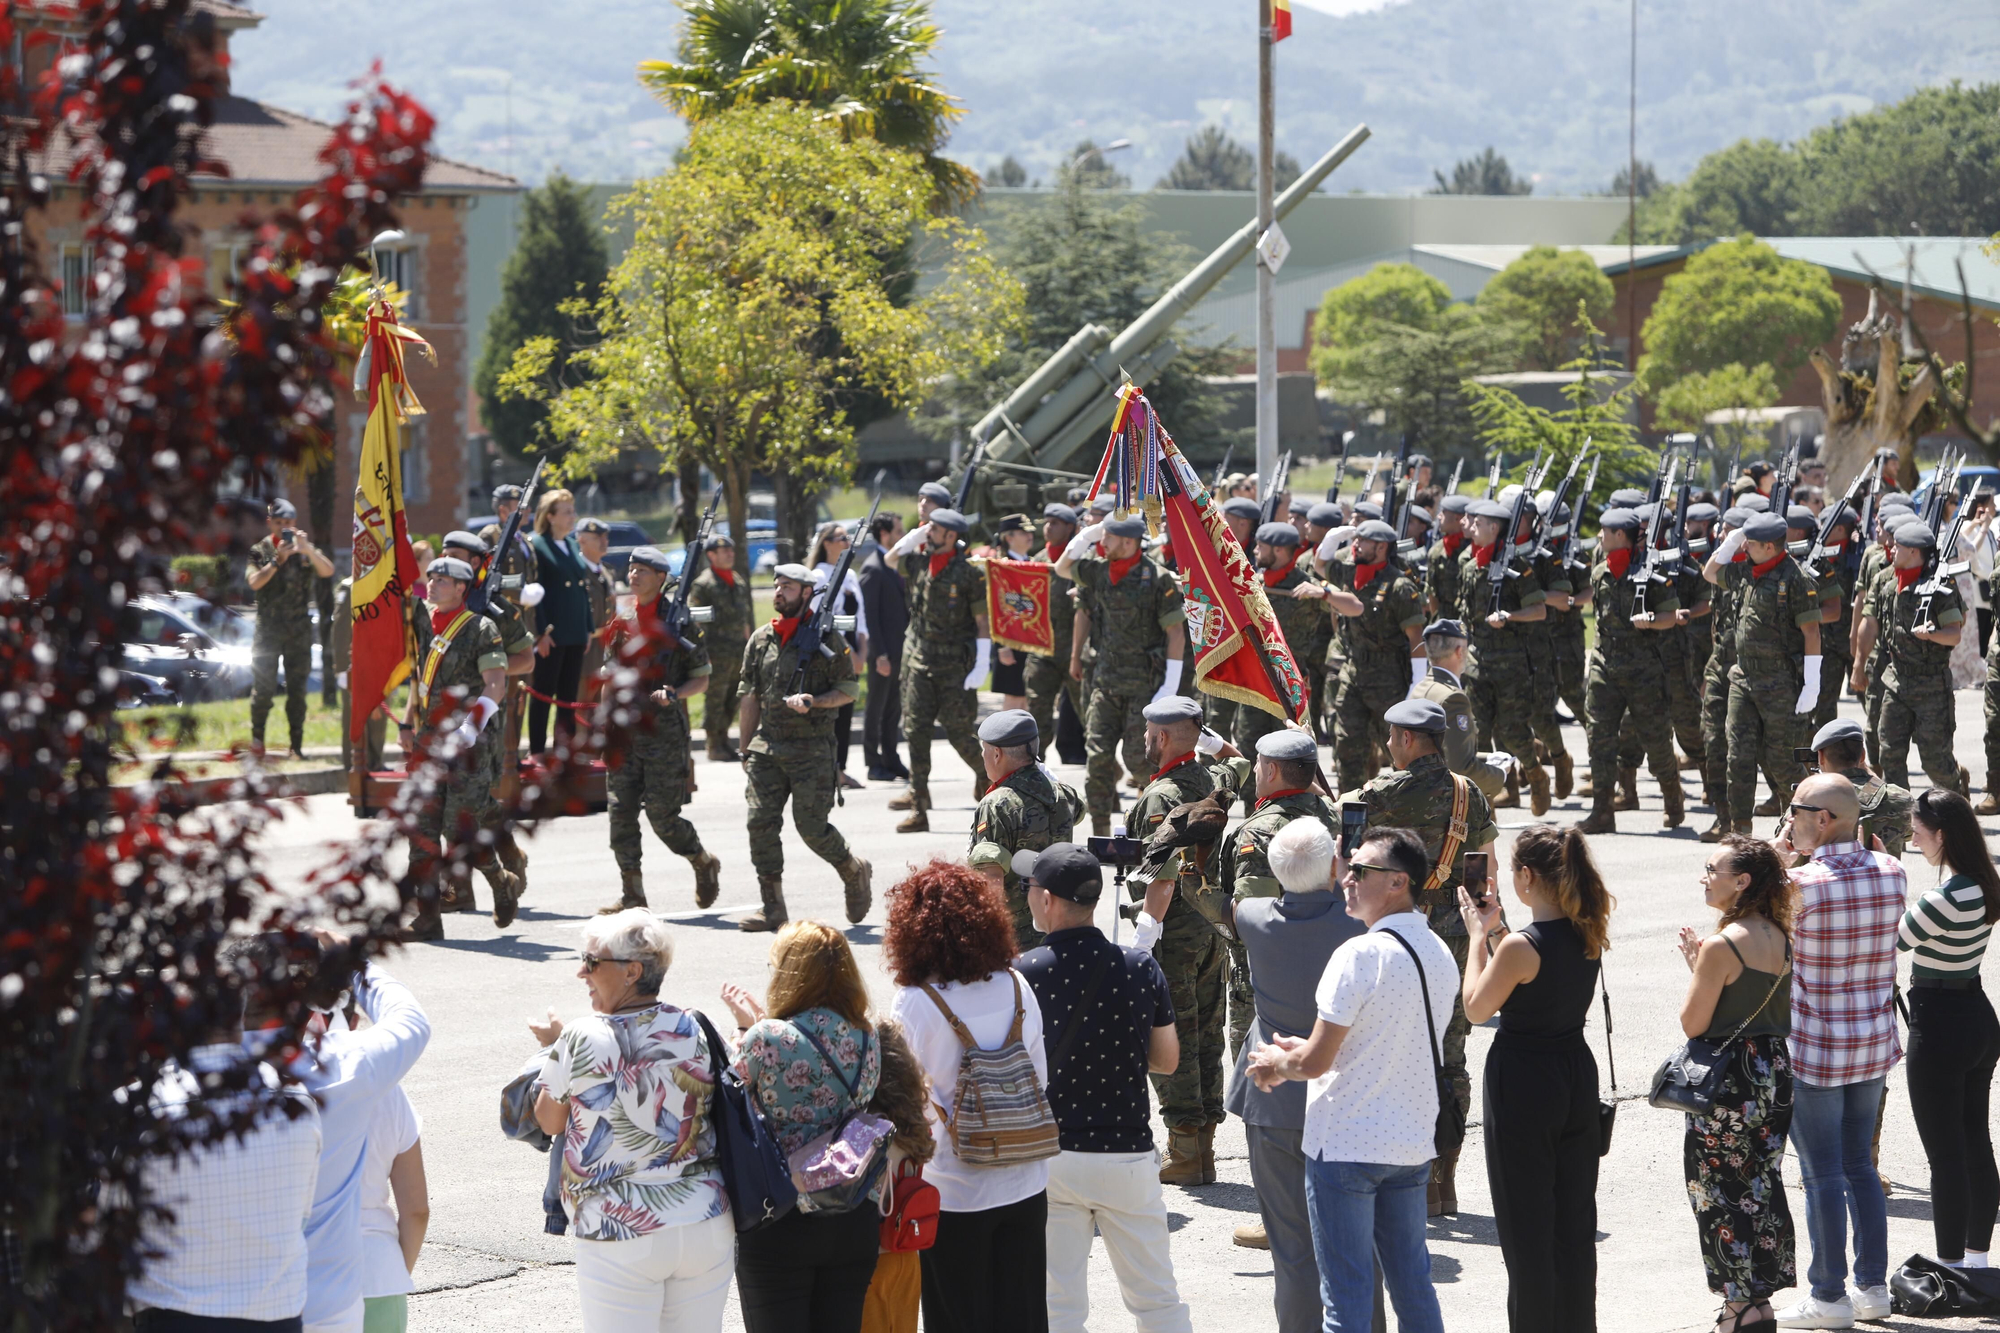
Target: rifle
<point>1493,475</point>
<point>1531,485</point>
<point>492,586</point>
<point>1406,483</point>
<point>1940,573</point>
<point>815,636</point>
<point>1281,472</point>
<point>1561,496</point>
<point>1657,565</point>
<point>1828,519</point>
<point>1788,480</point>
<point>1943,482</point>
<point>1735,467</point>
<point>964,485</point>
<point>1865,533</point>
<point>1499,568</point>
<point>1368,482</point>
<point>1567,559</point>
<point>1222,468</point>
<point>679,618</point>
<point>1457,471</point>
<point>1340,468</point>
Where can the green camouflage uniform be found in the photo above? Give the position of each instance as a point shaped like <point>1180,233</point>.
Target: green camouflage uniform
<point>1873,562</point>
<point>1307,630</point>
<point>1129,620</point>
<point>1627,678</point>
<point>466,806</point>
<point>1916,684</point>
<point>1244,871</point>
<point>1048,677</point>
<point>1376,674</point>
<point>937,657</point>
<point>340,660</point>
<point>1836,640</point>
<point>1764,684</point>
<point>1545,657</point>
<point>1885,810</point>
<point>505,611</point>
<point>1497,679</point>
<point>1419,798</point>
<point>1572,651</point>
<point>1723,601</point>
<point>1026,811</point>
<point>791,756</point>
<point>725,637</point>
<point>284,631</point>
<point>1677,655</point>
<point>1441,576</point>
<point>1460,745</point>
<point>651,773</point>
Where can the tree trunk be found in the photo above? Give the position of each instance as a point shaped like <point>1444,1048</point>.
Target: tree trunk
<point>736,495</point>
<point>1867,406</point>
<point>796,507</point>
<point>693,502</point>
<point>319,519</point>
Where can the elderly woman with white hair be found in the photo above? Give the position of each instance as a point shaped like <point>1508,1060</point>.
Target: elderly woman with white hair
<point>627,1091</point>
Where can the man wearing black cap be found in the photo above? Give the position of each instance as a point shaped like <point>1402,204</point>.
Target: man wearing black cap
<point>1627,673</point>
<point>1108,1018</point>
<point>1380,614</point>
<point>1048,677</point>
<point>1025,809</point>
<point>1498,677</point>
<point>1297,601</point>
<point>726,593</point>
<point>1918,631</point>
<point>946,657</point>
<point>282,568</point>
<point>1885,807</point>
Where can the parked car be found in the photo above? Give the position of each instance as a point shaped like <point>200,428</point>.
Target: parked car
<point>1970,478</point>
<point>138,690</point>
<point>201,651</point>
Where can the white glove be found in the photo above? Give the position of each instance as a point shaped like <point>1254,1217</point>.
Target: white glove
<point>466,734</point>
<point>1145,932</point>
<point>1083,541</point>
<point>531,594</point>
<point>483,709</point>
<point>1419,668</point>
<point>982,657</point>
<point>340,679</point>
<point>1172,684</point>
<point>1731,546</point>
<point>1329,545</point>
<point>1209,742</point>
<point>1809,696</point>
<point>909,541</point>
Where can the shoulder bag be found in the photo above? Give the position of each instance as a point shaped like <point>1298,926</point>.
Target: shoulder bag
<point>754,1173</point>
<point>1449,1132</point>
<point>839,1170</point>
<point>1690,1079</point>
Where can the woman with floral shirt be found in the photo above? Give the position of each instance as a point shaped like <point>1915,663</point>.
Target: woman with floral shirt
<point>626,1092</point>
<point>807,1272</point>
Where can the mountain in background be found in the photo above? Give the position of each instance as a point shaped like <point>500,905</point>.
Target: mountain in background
<point>525,88</point>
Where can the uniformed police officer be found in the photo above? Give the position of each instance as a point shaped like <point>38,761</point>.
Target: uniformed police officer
<point>282,567</point>
<point>947,656</point>
<point>1838,747</point>
<point>1025,808</point>
<point>726,593</point>
<point>1445,650</point>
<point>1916,675</point>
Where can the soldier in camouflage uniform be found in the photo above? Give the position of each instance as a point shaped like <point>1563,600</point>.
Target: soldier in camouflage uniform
<point>1682,678</point>
<point>1775,680</point>
<point>727,596</point>
<point>650,771</point>
<point>454,701</point>
<point>1441,596</point>
<point>1446,649</point>
<point>1893,510</point>
<point>593,543</point>
<point>1838,747</point>
<point>1321,519</point>
<point>1497,678</point>
<point>1048,677</point>
<point>282,568</point>
<point>1296,601</point>
<point>1835,577</point>
<point>946,658</point>
<point>1545,673</point>
<point>1380,611</point>
<point>340,659</point>
<point>1129,602</point>
<point>1419,796</point>
<point>1627,674</point>
<point>1566,635</point>
<point>1916,677</point>
<point>1025,808</point>
<point>1715,688</point>
<point>508,605</point>
<point>789,751</point>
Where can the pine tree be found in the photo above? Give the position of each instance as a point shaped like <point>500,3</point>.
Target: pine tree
<point>560,256</point>
<point>1486,174</point>
<point>1214,161</point>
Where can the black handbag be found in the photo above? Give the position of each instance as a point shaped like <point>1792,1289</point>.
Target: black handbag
<point>1607,1111</point>
<point>1929,1289</point>
<point>1449,1132</point>
<point>755,1174</point>
<point>1690,1078</point>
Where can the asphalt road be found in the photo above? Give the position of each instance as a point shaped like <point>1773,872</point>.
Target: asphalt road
<point>487,1265</point>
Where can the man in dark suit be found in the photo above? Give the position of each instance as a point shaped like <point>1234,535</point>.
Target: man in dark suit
<point>888,615</point>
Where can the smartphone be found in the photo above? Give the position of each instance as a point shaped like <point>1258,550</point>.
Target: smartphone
<point>289,536</point>
<point>1805,754</point>
<point>1478,876</point>
<point>1353,818</point>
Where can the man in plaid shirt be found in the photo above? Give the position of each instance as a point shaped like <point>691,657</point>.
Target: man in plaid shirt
<point>1843,1042</point>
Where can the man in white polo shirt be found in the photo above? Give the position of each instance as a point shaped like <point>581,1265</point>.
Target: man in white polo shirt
<point>1372,1108</point>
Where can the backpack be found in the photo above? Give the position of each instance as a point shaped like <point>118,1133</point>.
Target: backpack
<point>999,1113</point>
<point>910,1208</point>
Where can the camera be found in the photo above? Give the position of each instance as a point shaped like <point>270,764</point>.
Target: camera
<point>1806,755</point>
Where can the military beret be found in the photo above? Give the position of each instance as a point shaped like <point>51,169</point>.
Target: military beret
<point>1755,503</point>
<point>1736,516</point>
<point>1278,534</point>
<point>1287,744</point>
<point>1509,493</point>
<point>1415,715</point>
<point>1062,513</point>
<point>1102,505</point>
<point>450,567</point>
<point>1129,526</point>
<point>460,539</point>
<point>281,508</point>
<point>1840,512</point>
<point>1234,479</point>
<point>795,573</point>
<point>1628,497</point>
<point>652,557</point>
<point>1917,535</point>
<point>1898,501</point>
<point>1454,504</point>
<point>988,854</point>
<point>1645,512</point>
<point>1450,629</point>
<point>1887,455</point>
<point>1375,530</point>
<point>935,492</point>
<point>1421,514</point>
<point>1013,523</point>
<point>1009,726</point>
<point>1490,509</point>
<point>502,494</point>
<point>1300,504</point>
<point>1174,708</point>
<point>593,525</point>
<point>1064,869</point>
<point>1703,513</point>
<point>721,539</point>
<point>1765,528</point>
<point>1367,509</point>
<point>1243,506</point>
<point>1419,460</point>
<point>1840,729</point>
<point>1619,520</point>
<point>1798,516</point>
<point>1325,514</point>
<point>1077,495</point>
<point>950,518</point>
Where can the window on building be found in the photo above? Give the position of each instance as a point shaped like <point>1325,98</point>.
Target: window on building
<point>75,280</point>
<point>401,265</point>
<point>223,262</point>
<point>416,465</point>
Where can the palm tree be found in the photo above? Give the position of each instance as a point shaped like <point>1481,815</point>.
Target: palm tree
<point>862,61</point>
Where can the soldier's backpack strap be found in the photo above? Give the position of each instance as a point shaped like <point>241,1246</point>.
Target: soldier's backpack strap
<point>1454,838</point>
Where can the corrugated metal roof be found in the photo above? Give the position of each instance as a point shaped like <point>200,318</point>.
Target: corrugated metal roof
<point>1931,261</point>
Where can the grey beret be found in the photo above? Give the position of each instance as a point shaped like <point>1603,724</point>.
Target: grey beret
<point>1450,629</point>
<point>1242,507</point>
<point>950,518</point>
<point>593,525</point>
<point>1375,530</point>
<point>1288,744</point>
<point>1103,504</point>
<point>281,508</point>
<point>1278,534</point>
<point>1736,516</point>
<point>652,557</point>
<point>1840,729</point>
<point>1755,503</point>
<point>1759,468</point>
<point>721,539</point>
<point>1415,715</point>
<point>1325,514</point>
<point>1454,504</point>
<point>1009,726</point>
<point>1421,514</point>
<point>796,573</point>
<point>1061,512</point>
<point>1798,516</point>
<point>1702,512</point>
<point>1917,535</point>
<point>1129,526</point>
<point>1174,708</point>
<point>1627,497</point>
<point>1367,509</point>
<point>1898,501</point>
<point>1619,520</point>
<point>934,491</point>
<point>1490,509</point>
<point>507,492</point>
<point>1645,512</point>
<point>1765,528</point>
<point>1419,460</point>
<point>451,567</point>
<point>465,541</point>
<point>1300,505</point>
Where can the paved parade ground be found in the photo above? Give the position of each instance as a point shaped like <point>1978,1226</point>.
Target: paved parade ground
<point>487,1265</point>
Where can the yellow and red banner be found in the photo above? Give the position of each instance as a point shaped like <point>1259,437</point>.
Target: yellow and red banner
<point>385,567</point>
<point>1281,20</point>
<point>1019,614</point>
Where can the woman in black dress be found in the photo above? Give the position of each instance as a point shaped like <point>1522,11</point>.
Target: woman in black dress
<point>1542,1136</point>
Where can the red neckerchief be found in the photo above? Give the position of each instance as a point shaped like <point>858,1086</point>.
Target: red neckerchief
<point>728,576</point>
<point>1120,568</point>
<point>1619,561</point>
<point>1273,577</point>
<point>1759,571</point>
<point>1263,801</point>
<point>1483,555</point>
<point>439,619</point>
<point>1171,765</point>
<point>786,627</point>
<point>940,559</point>
<point>1905,577</point>
<point>1365,574</point>
<point>1452,541</point>
<point>1052,554</point>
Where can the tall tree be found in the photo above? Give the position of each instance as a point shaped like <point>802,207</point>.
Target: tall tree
<point>1416,377</point>
<point>1211,160</point>
<point>1354,316</point>
<point>1089,167</point>
<point>1486,174</point>
<point>1554,297</point>
<point>1737,302</point>
<point>1598,411</point>
<point>1648,181</point>
<point>1009,175</point>
<point>559,258</point>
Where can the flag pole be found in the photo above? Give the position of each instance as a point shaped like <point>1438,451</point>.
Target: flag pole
<point>1267,340</point>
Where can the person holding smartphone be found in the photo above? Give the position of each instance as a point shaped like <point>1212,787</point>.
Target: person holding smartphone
<point>284,569</point>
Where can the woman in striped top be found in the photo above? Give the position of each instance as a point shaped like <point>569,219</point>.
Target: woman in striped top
<point>1954,1037</point>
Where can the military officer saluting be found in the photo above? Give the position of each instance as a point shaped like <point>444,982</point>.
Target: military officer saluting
<point>947,655</point>
<point>649,676</point>
<point>788,751</point>
<point>1916,660</point>
<point>1382,613</point>
<point>454,697</point>
<point>283,565</point>
<point>1445,650</point>
<point>727,595</point>
<point>1025,808</point>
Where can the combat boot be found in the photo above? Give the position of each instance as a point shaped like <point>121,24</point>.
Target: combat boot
<point>1565,775</point>
<point>1511,797</point>
<point>1251,1236</point>
<point>1674,800</point>
<point>506,891</point>
<point>1770,805</point>
<point>1601,818</point>
<point>1208,1154</point>
<point>457,894</point>
<point>918,820</point>
<point>1538,791</point>
<point>1990,805</point>
<point>723,752</point>
<point>1183,1164</point>
<point>1628,789</point>
<point>707,879</point>
<point>907,801</point>
<point>1720,829</point>
<point>771,889</point>
<point>512,857</point>
<point>425,927</point>
<point>855,874</point>
<point>1586,787</point>
<point>632,894</point>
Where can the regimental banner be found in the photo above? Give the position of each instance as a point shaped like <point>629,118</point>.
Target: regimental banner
<point>385,567</point>
<point>1018,610</point>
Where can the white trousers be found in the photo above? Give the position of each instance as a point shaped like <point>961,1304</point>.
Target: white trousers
<point>671,1281</point>
<point>1118,1196</point>
<point>349,1320</point>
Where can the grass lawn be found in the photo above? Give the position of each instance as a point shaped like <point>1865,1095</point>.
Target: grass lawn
<point>217,726</point>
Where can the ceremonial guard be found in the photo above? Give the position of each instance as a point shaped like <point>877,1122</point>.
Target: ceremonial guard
<point>1295,598</point>
<point>283,565</point>
<point>1453,818</point>
<point>1025,808</point>
<point>1441,593</point>
<point>1676,645</point>
<point>946,658</point>
<point>1380,612</point>
<point>519,558</point>
<point>1566,638</point>
<point>1715,687</point>
<point>1836,579</point>
<point>650,677</point>
<point>505,615</point>
<point>1496,679</point>
<point>1545,671</point>
<point>454,696</point>
<point>1919,630</point>
<point>1885,808</point>
<point>1892,511</point>
<point>1241,514</point>
<point>517,562</point>
<point>1627,675</point>
<point>1445,650</point>
<point>788,751</point>
<point>726,594</point>
<point>1048,676</point>
<point>593,543</point>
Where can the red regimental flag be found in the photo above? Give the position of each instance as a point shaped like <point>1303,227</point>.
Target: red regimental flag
<point>1018,610</point>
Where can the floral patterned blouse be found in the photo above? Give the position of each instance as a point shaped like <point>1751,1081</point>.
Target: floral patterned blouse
<point>639,1150</point>
<point>800,1096</point>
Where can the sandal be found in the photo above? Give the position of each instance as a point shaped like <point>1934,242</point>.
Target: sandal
<point>1733,1321</point>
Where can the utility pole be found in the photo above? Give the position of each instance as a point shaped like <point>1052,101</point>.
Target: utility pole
<point>1267,338</point>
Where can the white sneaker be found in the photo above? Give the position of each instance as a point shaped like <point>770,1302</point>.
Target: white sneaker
<point>1809,1312</point>
<point>1870,1302</point>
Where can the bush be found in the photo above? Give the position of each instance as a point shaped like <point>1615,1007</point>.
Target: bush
<point>203,575</point>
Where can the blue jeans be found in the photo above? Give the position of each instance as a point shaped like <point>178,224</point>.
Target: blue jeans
<point>1832,1128</point>
<point>1363,1213</point>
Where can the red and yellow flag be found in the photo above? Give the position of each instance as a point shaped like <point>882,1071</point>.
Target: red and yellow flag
<point>384,565</point>
<point>1018,610</point>
<point>1281,20</point>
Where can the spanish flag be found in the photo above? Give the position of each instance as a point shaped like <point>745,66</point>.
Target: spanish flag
<point>384,565</point>
<point>1281,20</point>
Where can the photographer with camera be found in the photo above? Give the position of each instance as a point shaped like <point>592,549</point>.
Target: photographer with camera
<point>283,566</point>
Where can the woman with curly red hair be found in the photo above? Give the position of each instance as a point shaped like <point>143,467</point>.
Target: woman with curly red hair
<point>950,947</point>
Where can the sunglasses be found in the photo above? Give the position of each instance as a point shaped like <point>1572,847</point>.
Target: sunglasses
<point>1362,867</point>
<point>591,962</point>
<point>1816,809</point>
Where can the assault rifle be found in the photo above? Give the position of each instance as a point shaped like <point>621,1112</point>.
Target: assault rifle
<point>679,617</point>
<point>1406,486</point>
<point>1368,482</point>
<point>817,635</point>
<point>1735,469</point>
<point>1566,552</point>
<point>1829,518</point>
<point>1222,468</point>
<point>964,484</point>
<point>1865,533</point>
<point>1655,565</point>
<point>1944,482</point>
<point>1499,568</point>
<point>1457,471</point>
<point>1555,521</point>
<point>1493,475</point>
<point>1340,468</point>
<point>493,585</point>
<point>1940,573</point>
<point>1788,480</point>
<point>1281,473</point>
